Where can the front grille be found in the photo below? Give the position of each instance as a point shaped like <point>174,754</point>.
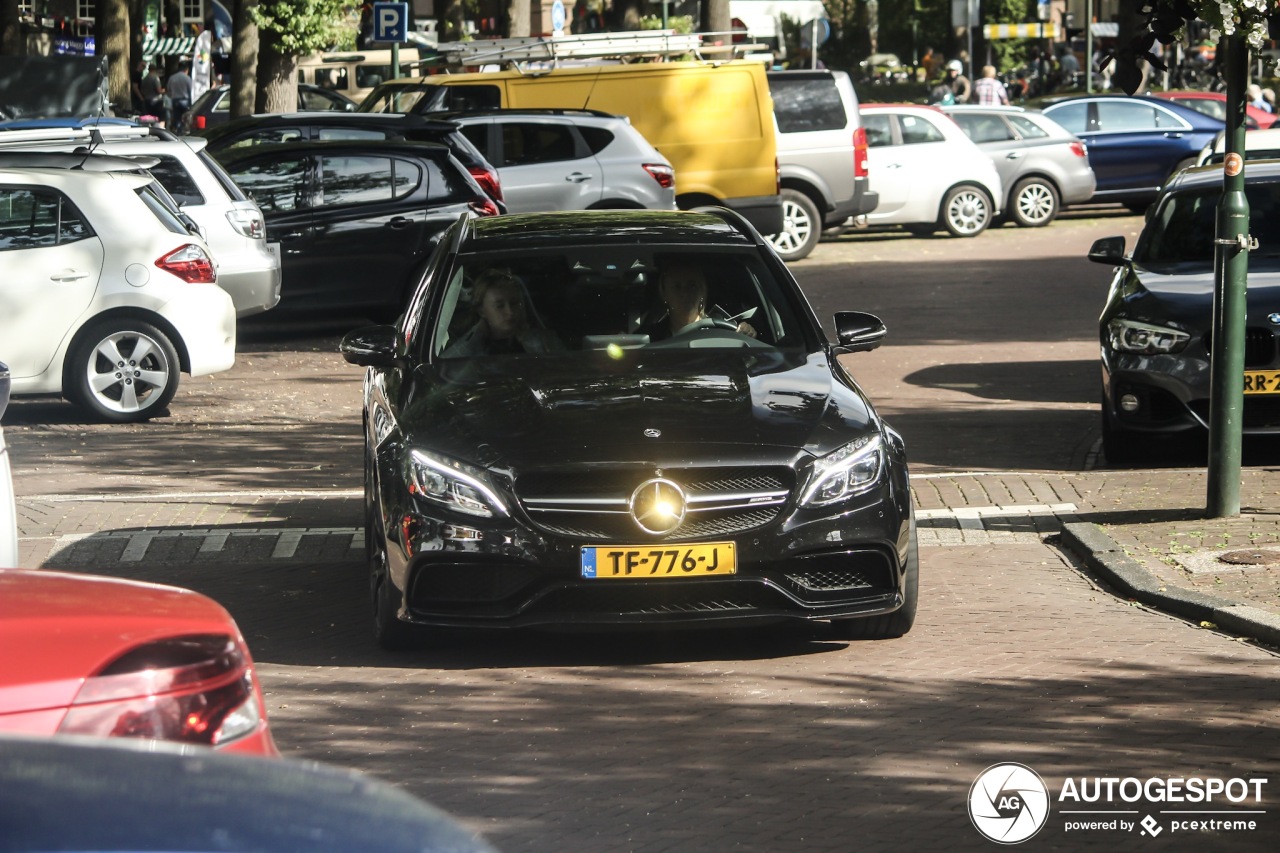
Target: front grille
<point>1259,347</point>
<point>593,506</point>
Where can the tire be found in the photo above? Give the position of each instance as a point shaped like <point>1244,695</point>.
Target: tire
<point>388,631</point>
<point>122,370</point>
<point>893,624</point>
<point>801,227</point>
<point>1033,203</point>
<point>1119,446</point>
<point>966,211</point>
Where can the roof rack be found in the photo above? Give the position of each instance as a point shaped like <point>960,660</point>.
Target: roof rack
<point>109,132</point>
<point>637,45</point>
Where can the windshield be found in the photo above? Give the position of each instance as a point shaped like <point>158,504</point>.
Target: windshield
<point>1183,227</point>
<point>612,299</point>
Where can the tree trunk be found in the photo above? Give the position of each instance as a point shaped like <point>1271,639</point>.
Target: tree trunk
<point>277,76</point>
<point>11,31</point>
<point>519,15</point>
<point>244,59</point>
<point>625,15</point>
<point>715,17</point>
<point>111,35</point>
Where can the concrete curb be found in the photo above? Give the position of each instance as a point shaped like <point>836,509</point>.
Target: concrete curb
<point>1105,558</point>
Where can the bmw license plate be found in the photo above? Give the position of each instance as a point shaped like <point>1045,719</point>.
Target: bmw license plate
<point>1262,382</point>
<point>644,562</point>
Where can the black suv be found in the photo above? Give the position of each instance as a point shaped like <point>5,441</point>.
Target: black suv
<point>624,418</point>
<point>355,220</point>
<point>277,128</point>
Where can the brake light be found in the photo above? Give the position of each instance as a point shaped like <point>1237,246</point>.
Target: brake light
<point>488,181</point>
<point>860,153</point>
<point>662,173</point>
<point>198,122</point>
<point>247,222</point>
<point>196,689</point>
<point>483,206</point>
<point>1079,149</point>
<point>189,263</point>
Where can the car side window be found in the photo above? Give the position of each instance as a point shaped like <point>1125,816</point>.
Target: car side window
<point>597,138</point>
<point>1074,117</point>
<point>916,131</point>
<point>445,183</point>
<point>368,76</point>
<point>478,135</point>
<point>332,78</point>
<point>268,136</point>
<point>1117,116</point>
<point>524,144</point>
<point>36,219</point>
<point>472,98</point>
<point>983,128</point>
<point>174,177</point>
<point>1027,128</point>
<point>355,179</point>
<point>277,185</point>
<point>879,128</point>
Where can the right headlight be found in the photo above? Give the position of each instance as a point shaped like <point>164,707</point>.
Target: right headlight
<point>1144,338</point>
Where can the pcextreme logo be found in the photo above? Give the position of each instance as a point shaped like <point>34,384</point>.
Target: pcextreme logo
<point>1009,803</point>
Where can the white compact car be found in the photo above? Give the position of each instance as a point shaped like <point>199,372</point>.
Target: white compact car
<point>928,174</point>
<point>229,220</point>
<point>106,296</point>
<point>8,507</point>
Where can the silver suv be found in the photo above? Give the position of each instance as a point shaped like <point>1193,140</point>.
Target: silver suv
<point>822,157</point>
<point>569,159</point>
<point>231,223</point>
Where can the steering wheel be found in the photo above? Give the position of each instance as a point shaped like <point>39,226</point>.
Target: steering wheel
<point>708,328</point>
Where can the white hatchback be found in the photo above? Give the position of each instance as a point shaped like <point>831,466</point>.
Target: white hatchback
<point>105,296</point>
<point>928,174</point>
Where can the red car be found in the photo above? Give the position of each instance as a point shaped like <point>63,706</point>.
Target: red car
<point>1215,104</point>
<point>97,656</point>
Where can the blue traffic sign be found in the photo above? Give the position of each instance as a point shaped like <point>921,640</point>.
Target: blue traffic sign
<point>390,22</point>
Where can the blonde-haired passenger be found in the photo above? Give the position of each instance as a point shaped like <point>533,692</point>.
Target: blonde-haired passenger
<point>504,326</point>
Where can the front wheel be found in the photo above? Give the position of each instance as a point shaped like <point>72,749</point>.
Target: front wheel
<point>123,370</point>
<point>801,227</point>
<point>1033,203</point>
<point>966,211</point>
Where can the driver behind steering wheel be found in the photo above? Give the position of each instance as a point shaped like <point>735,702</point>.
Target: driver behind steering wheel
<point>682,286</point>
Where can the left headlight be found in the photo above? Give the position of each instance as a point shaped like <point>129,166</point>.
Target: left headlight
<point>845,472</point>
<point>453,484</point>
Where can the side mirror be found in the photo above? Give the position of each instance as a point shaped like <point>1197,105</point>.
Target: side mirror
<point>372,346</point>
<point>1108,250</point>
<point>857,331</point>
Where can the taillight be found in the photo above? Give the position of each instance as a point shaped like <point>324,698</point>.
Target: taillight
<point>247,222</point>
<point>195,689</point>
<point>198,122</point>
<point>189,263</point>
<point>663,174</point>
<point>1078,149</point>
<point>488,181</point>
<point>860,153</point>
<point>483,206</point>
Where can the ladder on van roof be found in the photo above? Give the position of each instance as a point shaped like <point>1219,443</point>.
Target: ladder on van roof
<point>642,44</point>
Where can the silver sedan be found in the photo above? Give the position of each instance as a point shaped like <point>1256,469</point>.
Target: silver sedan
<point>1043,166</point>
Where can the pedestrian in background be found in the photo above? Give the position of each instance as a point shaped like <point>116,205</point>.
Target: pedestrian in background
<point>989,91</point>
<point>179,87</point>
<point>153,95</point>
<point>959,84</point>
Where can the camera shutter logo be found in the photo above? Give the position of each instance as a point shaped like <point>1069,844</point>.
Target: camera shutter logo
<point>1008,803</point>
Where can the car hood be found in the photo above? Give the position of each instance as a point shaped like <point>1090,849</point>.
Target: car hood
<point>531,411</point>
<point>1186,296</point>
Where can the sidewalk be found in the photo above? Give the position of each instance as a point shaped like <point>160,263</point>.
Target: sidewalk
<point>1142,532</point>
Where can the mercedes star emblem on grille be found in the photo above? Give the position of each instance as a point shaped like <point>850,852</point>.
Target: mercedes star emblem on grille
<point>658,506</point>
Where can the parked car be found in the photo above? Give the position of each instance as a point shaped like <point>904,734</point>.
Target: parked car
<point>214,106</point>
<point>8,506</point>
<point>1042,167</point>
<point>355,220</point>
<point>1214,104</point>
<point>582,459</point>
<point>927,173</point>
<point>109,296</point>
<point>230,223</point>
<point>103,657</point>
<point>1135,143</point>
<point>274,128</point>
<point>569,160</point>
<point>1156,326</point>
<point>1258,145</point>
<point>119,796</point>
<point>822,157</point>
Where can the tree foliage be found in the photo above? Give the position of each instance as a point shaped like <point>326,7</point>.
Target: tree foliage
<point>301,27</point>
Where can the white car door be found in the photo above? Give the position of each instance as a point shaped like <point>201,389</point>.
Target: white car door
<point>50,264</point>
<point>917,168</point>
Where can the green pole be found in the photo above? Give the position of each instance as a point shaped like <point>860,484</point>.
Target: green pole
<point>395,60</point>
<point>1230,276</point>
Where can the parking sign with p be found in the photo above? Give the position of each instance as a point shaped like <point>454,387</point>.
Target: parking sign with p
<point>390,22</point>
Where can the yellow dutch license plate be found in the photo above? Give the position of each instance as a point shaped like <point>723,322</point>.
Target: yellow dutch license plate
<point>653,562</point>
<point>1262,382</point>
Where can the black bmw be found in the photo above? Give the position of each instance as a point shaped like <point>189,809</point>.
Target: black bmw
<point>623,418</point>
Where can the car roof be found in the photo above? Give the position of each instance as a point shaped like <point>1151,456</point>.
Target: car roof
<point>369,146</point>
<point>529,111</point>
<point>1199,176</point>
<point>333,118</point>
<point>62,178</point>
<point>985,108</point>
<point>579,228</point>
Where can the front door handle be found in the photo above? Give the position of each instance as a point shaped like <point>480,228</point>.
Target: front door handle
<point>68,275</point>
<point>1173,135</point>
<point>399,222</point>
<point>1013,155</point>
<point>577,177</point>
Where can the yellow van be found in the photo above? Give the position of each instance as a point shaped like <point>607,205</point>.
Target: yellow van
<point>712,120</point>
<point>354,73</point>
